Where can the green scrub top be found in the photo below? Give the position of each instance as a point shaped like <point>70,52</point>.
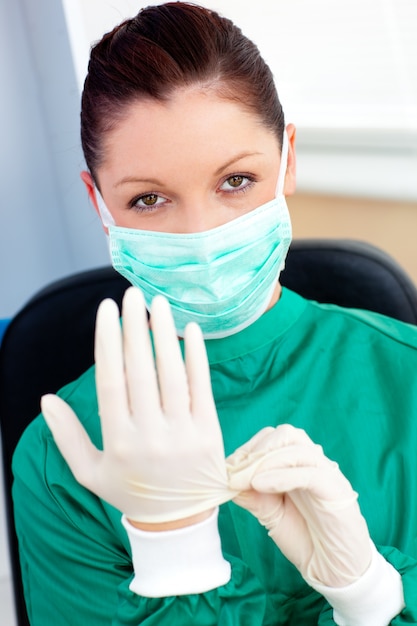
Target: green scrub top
<point>345,376</point>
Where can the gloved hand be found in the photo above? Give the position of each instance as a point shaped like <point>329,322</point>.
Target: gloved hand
<point>163,456</point>
<point>305,502</point>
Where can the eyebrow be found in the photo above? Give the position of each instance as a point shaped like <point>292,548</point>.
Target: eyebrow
<point>155,181</point>
<point>235,159</point>
<point>135,179</point>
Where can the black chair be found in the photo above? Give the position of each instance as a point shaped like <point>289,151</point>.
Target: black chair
<point>353,274</point>
<point>50,341</point>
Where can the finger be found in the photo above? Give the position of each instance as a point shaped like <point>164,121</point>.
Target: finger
<point>110,378</point>
<point>283,436</point>
<point>71,438</point>
<point>198,374</point>
<point>242,465</point>
<point>254,501</point>
<point>140,369</point>
<point>170,366</point>
<point>266,454</point>
<point>324,483</point>
<point>297,455</point>
<point>239,458</point>
<point>269,509</point>
<point>283,480</point>
<point>270,440</point>
<point>266,440</point>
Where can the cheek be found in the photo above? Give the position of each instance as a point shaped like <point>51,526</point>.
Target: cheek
<point>266,192</point>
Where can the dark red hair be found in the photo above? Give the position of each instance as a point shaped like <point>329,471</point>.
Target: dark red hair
<point>166,47</point>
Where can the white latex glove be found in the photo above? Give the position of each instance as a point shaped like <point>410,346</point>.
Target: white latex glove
<point>163,455</point>
<point>305,502</point>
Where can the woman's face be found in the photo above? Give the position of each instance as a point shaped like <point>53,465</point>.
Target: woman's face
<point>189,164</point>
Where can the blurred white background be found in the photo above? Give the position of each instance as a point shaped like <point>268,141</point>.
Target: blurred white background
<point>346,73</point>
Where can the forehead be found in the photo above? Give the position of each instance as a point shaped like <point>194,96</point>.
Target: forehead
<point>193,125</point>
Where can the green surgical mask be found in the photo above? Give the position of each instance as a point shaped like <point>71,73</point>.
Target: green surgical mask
<point>223,278</point>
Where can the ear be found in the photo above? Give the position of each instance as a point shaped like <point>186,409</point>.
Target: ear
<point>91,191</point>
<point>90,186</point>
<point>290,176</point>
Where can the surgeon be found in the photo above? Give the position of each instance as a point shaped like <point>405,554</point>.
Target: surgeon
<point>247,457</point>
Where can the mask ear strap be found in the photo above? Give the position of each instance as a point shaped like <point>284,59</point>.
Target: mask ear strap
<point>283,165</point>
<point>106,216</point>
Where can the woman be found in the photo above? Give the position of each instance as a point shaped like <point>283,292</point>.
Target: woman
<point>189,163</point>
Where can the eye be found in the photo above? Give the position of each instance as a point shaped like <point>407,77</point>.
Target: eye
<point>237,182</point>
<point>147,202</point>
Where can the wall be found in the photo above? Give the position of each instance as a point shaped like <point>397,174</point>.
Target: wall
<point>47,228</point>
<point>389,224</point>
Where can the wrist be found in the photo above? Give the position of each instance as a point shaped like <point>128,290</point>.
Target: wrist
<point>182,561</point>
<point>174,525</point>
<point>372,600</point>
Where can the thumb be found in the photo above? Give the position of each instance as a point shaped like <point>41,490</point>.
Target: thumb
<point>71,438</point>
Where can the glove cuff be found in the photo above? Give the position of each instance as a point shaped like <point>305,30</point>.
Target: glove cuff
<point>372,600</point>
<point>177,562</point>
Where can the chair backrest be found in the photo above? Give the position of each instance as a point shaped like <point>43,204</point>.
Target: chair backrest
<point>46,345</point>
<point>351,273</point>
<point>3,325</point>
<point>50,341</point>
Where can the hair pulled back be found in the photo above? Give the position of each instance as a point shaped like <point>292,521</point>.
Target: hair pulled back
<point>163,48</point>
